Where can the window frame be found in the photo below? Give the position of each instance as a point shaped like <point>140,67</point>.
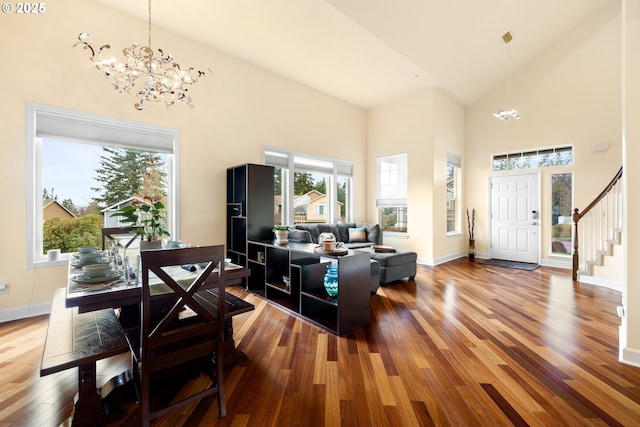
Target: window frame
<point>453,161</point>
<point>291,161</point>
<point>532,159</point>
<point>44,121</point>
<point>551,213</point>
<point>397,198</point>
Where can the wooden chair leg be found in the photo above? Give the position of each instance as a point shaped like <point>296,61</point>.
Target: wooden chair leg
<point>145,408</point>
<point>221,400</point>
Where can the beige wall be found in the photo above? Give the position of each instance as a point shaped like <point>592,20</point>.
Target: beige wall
<point>426,125</point>
<point>406,125</point>
<point>568,95</point>
<point>237,110</point>
<point>448,131</point>
<point>629,336</point>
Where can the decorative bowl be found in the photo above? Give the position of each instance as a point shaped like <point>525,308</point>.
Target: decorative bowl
<point>89,258</point>
<point>96,270</point>
<point>88,250</point>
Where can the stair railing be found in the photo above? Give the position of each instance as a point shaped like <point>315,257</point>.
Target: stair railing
<point>602,219</point>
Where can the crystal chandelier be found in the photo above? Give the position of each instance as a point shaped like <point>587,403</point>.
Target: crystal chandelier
<point>508,113</point>
<point>153,79</point>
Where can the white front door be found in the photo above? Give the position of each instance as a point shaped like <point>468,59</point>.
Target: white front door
<point>515,212</point>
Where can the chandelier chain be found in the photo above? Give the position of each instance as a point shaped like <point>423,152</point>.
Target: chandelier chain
<point>150,25</point>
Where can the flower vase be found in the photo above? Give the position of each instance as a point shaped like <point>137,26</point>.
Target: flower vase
<point>145,245</point>
<point>331,280</point>
<point>472,249</point>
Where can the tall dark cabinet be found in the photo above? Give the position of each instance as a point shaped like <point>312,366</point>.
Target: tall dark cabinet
<point>250,208</point>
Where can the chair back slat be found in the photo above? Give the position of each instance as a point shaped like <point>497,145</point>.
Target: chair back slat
<point>169,328</point>
<point>111,234</point>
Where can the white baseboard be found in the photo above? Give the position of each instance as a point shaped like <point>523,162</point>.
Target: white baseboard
<point>425,261</point>
<point>557,263</point>
<point>629,356</point>
<point>24,312</point>
<point>609,284</point>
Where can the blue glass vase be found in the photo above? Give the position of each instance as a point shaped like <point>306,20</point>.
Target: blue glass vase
<point>331,280</point>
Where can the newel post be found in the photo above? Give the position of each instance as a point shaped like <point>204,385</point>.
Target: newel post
<point>576,218</point>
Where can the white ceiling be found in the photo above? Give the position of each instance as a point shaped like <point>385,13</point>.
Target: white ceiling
<point>368,52</point>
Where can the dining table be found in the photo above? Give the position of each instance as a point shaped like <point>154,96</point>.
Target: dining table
<point>120,292</point>
<point>124,293</point>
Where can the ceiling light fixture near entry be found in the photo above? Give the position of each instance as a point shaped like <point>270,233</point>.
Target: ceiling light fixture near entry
<point>510,112</point>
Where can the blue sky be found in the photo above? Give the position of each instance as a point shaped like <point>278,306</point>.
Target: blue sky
<point>68,168</point>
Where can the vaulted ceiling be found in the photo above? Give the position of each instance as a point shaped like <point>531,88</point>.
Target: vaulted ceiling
<point>368,52</point>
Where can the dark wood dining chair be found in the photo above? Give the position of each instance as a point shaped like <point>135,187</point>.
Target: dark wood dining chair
<point>189,328</point>
<point>120,233</point>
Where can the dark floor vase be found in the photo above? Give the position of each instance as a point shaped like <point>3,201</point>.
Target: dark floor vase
<point>472,249</point>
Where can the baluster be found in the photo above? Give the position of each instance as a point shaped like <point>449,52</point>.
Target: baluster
<point>576,218</point>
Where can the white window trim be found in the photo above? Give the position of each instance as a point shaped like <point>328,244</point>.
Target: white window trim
<point>393,202</point>
<point>340,167</point>
<point>55,122</point>
<point>454,161</point>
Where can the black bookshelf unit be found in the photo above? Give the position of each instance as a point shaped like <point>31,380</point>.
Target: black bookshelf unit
<point>292,276</point>
<point>250,207</point>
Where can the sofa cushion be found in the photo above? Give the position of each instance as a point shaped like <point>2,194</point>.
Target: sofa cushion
<point>300,236</point>
<point>312,229</point>
<point>343,229</point>
<point>357,235</point>
<point>373,232</point>
<point>357,245</point>
<point>400,257</point>
<point>329,228</point>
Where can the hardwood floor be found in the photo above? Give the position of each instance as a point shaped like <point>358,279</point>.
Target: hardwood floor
<point>462,345</point>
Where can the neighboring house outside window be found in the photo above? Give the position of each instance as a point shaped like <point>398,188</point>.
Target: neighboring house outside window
<point>391,199</point>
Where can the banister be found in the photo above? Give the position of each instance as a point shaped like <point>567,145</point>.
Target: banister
<point>577,216</point>
<point>599,197</point>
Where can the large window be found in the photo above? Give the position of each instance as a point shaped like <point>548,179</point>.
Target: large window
<point>310,189</point>
<point>453,193</point>
<point>561,213</point>
<point>79,164</point>
<point>530,159</point>
<point>391,198</point>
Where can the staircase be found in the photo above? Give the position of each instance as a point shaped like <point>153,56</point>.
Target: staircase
<point>598,229</point>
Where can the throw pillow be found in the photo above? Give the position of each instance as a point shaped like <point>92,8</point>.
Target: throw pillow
<point>357,235</point>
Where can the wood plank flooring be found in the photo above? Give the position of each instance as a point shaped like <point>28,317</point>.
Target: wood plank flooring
<point>462,345</point>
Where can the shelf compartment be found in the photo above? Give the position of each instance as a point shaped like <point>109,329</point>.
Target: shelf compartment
<point>317,311</point>
<point>256,252</point>
<point>238,234</point>
<point>320,294</point>
<point>286,300</point>
<point>281,287</point>
<point>255,281</point>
